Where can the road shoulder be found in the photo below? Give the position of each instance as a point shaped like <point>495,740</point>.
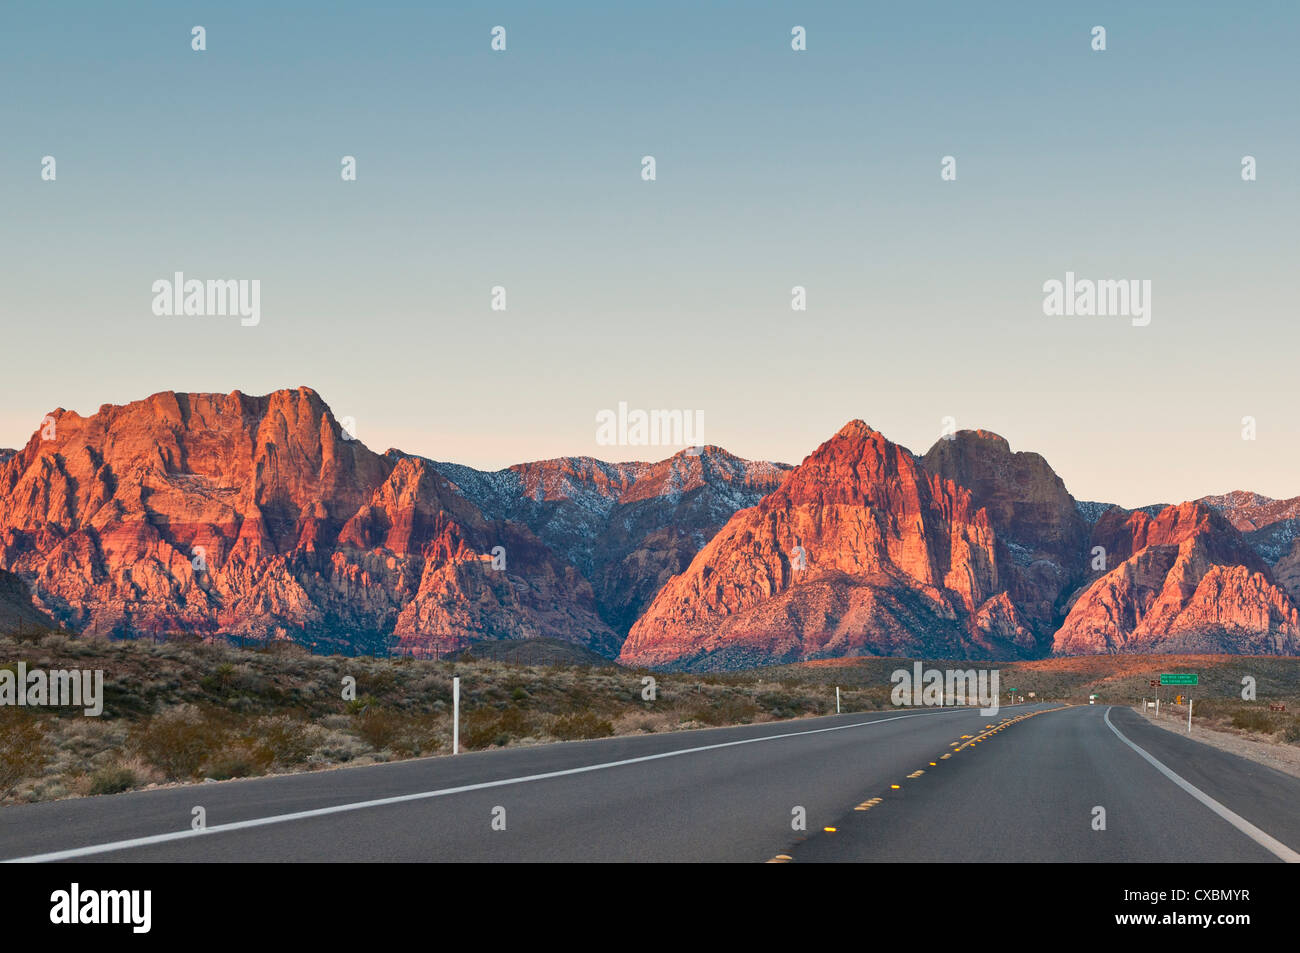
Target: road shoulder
<point>1284,758</point>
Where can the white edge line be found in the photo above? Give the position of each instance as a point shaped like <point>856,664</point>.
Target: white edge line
<point>1268,842</point>
<point>424,795</point>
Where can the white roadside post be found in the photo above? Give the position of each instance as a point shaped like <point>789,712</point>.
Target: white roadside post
<point>837,699</point>
<point>455,715</point>
<point>1189,713</point>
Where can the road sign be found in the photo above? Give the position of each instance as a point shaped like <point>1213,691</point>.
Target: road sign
<point>1092,696</point>
<point>1177,679</point>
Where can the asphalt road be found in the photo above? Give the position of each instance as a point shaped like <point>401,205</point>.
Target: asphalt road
<point>1018,786</point>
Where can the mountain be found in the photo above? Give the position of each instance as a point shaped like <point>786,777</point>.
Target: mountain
<point>1182,581</point>
<point>1270,526</point>
<point>257,517</point>
<point>970,551</point>
<point>1042,536</point>
<point>859,551</point>
<point>628,527</point>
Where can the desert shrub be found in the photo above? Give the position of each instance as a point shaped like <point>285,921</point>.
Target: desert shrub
<point>113,779</point>
<point>378,727</point>
<point>178,741</point>
<point>239,760</point>
<point>726,710</point>
<point>22,750</point>
<point>220,680</point>
<point>279,739</point>
<point>485,727</point>
<point>1209,708</point>
<point>1252,721</point>
<point>1292,733</point>
<point>358,705</point>
<point>479,729</point>
<point>580,725</point>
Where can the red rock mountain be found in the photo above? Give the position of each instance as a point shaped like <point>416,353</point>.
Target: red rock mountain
<point>860,550</point>
<point>255,517</point>
<point>973,551</point>
<point>1181,581</point>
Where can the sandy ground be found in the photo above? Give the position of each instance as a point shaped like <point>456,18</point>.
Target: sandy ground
<point>1283,757</point>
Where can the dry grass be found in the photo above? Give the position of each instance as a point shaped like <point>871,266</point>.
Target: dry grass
<point>185,711</point>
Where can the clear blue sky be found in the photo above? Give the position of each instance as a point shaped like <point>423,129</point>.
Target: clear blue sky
<point>775,169</point>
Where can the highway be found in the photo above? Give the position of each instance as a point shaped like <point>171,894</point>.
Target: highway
<point>1023,785</point>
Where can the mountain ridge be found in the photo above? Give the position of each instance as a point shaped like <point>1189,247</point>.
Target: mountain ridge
<point>260,517</point>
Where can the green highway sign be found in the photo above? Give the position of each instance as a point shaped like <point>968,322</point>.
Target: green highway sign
<point>1168,679</point>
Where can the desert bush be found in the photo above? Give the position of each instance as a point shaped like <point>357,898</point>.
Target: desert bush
<point>178,741</point>
<point>358,705</point>
<point>22,750</point>
<point>1253,721</point>
<point>220,680</point>
<point>580,725</point>
<point>485,727</point>
<point>239,760</point>
<point>726,710</point>
<point>1211,708</point>
<point>280,739</point>
<point>378,727</point>
<point>113,779</point>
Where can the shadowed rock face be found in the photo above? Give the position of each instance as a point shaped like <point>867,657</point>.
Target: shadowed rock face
<point>1043,547</point>
<point>628,527</point>
<point>254,516</point>
<point>16,610</point>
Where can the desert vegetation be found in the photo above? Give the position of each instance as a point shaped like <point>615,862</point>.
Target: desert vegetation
<point>187,710</point>
<point>182,711</point>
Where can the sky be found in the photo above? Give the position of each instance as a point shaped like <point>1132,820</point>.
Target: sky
<point>775,168</point>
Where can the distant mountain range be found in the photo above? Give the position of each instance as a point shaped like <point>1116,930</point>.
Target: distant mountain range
<point>258,518</point>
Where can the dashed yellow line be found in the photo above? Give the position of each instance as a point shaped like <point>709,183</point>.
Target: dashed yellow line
<point>969,740</point>
<point>985,735</point>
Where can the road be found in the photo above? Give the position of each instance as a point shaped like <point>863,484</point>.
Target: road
<point>1019,786</point>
